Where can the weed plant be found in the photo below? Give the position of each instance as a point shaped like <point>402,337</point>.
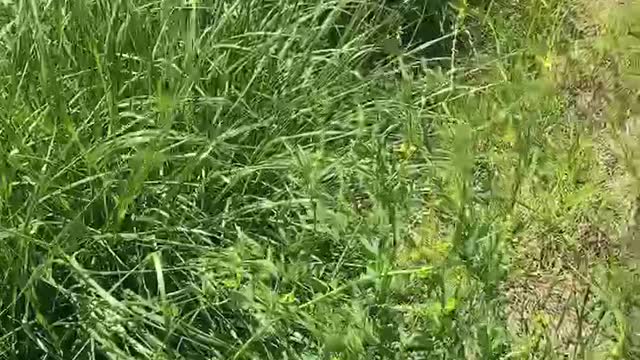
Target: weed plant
<point>298,179</point>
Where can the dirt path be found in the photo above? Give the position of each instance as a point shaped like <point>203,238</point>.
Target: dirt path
<point>559,306</point>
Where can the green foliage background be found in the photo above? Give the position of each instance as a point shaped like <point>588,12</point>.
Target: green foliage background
<point>263,179</point>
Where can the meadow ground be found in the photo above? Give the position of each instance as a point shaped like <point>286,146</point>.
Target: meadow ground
<point>307,179</point>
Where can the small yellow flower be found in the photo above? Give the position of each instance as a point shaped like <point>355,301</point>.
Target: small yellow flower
<point>406,150</point>
<point>541,319</point>
<point>288,298</point>
<point>548,61</point>
<point>230,283</point>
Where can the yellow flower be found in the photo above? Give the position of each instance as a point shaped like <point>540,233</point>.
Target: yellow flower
<point>406,150</point>
<point>541,319</point>
<point>548,61</point>
<point>288,298</point>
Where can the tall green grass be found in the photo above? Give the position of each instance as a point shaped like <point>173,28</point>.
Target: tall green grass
<point>258,179</point>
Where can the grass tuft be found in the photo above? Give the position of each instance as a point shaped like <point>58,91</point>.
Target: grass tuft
<point>353,179</point>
